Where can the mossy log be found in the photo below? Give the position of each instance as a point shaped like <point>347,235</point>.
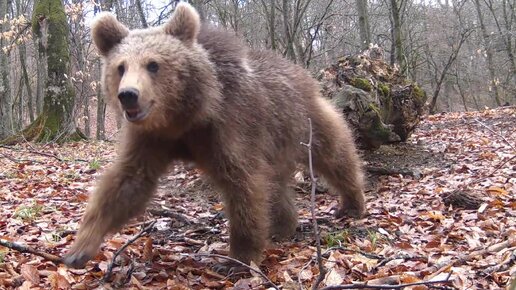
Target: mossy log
<point>378,102</point>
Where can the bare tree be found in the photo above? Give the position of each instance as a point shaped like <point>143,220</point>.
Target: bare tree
<point>363,23</point>
<point>441,75</point>
<point>397,40</point>
<point>5,88</point>
<point>489,55</point>
<point>141,14</point>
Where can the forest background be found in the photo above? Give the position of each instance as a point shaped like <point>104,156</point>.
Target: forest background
<point>460,52</point>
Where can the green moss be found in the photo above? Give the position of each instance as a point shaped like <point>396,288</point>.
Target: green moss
<point>28,213</point>
<point>362,84</point>
<point>384,89</point>
<point>51,12</point>
<point>375,108</point>
<point>337,238</point>
<point>419,94</point>
<point>50,25</point>
<point>377,130</point>
<point>385,95</point>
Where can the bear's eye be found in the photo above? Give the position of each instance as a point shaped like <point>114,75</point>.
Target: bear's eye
<point>153,67</point>
<point>121,70</point>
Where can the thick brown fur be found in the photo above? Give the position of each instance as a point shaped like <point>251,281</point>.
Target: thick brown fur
<point>239,114</point>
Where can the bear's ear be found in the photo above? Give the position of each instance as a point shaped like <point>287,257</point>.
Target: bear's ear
<point>107,32</point>
<point>184,24</point>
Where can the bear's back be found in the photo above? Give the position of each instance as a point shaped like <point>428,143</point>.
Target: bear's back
<point>235,61</point>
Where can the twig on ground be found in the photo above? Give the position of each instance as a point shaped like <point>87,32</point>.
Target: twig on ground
<point>144,231</point>
<point>257,271</point>
<point>399,286</point>
<point>170,214</point>
<point>504,265</point>
<point>391,171</point>
<point>365,254</point>
<point>402,256</point>
<point>496,133</point>
<point>510,242</point>
<point>322,269</point>
<point>26,249</point>
<point>32,150</point>
<point>502,164</point>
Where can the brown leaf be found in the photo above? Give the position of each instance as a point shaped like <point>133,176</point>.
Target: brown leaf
<point>30,273</point>
<point>58,282</point>
<point>147,250</point>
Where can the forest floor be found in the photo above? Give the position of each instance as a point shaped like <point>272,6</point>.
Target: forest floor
<point>442,207</point>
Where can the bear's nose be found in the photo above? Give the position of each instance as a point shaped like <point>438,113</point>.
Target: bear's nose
<point>128,97</point>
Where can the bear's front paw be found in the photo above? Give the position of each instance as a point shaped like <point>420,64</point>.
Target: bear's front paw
<point>76,260</point>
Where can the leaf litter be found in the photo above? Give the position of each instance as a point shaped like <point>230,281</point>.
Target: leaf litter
<point>409,235</point>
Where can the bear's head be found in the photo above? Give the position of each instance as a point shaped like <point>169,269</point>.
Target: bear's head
<point>160,78</point>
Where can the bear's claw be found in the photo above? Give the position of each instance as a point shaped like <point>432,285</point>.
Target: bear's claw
<point>76,260</point>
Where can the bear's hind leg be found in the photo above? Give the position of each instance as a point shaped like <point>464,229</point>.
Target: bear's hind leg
<point>336,158</point>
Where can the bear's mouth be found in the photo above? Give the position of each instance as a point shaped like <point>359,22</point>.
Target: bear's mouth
<point>136,114</point>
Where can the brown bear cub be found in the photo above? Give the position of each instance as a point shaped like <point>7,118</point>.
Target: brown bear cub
<point>192,92</point>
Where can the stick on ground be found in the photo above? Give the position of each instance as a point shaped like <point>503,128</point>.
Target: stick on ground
<point>144,231</point>
<point>26,249</point>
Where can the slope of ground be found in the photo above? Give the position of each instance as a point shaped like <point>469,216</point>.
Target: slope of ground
<point>411,233</point>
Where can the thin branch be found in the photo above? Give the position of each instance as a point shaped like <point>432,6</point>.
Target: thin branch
<point>257,271</point>
<point>26,249</point>
<point>169,213</point>
<point>502,164</point>
<point>496,133</point>
<point>33,150</point>
<point>322,269</point>
<point>144,231</point>
<point>400,286</point>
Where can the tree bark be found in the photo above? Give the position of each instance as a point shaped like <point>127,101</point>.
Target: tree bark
<point>507,36</point>
<point>5,88</point>
<point>23,55</point>
<point>55,123</point>
<point>397,37</point>
<point>271,22</point>
<point>101,110</point>
<point>139,9</point>
<point>288,31</point>
<point>489,54</point>
<point>363,23</point>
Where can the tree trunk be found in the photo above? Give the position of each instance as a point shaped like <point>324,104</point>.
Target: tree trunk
<point>199,6</point>
<point>505,35</point>
<point>5,88</point>
<point>451,59</point>
<point>489,54</point>
<point>272,24</point>
<point>101,109</point>
<point>290,52</point>
<point>23,54</point>
<point>397,40</point>
<point>363,23</point>
<point>55,123</point>
<point>41,71</point>
<point>139,9</point>
<point>508,19</point>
